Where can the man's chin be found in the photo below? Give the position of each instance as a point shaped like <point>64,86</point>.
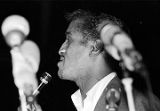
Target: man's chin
<point>63,76</point>
<point>60,72</point>
<point>60,76</point>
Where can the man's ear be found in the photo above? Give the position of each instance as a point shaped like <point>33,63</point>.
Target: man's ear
<point>96,47</point>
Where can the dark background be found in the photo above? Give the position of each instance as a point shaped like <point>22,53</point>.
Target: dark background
<point>48,26</point>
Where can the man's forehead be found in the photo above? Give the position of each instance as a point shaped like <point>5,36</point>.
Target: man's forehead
<point>73,26</point>
<point>73,30</point>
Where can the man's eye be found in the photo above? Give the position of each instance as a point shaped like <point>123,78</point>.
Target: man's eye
<point>69,40</point>
<point>67,43</point>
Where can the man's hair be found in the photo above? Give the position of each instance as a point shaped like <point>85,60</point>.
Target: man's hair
<point>89,22</point>
<point>86,25</point>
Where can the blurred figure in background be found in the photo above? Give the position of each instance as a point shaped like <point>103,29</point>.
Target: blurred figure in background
<point>86,58</point>
<point>25,56</point>
<point>25,62</point>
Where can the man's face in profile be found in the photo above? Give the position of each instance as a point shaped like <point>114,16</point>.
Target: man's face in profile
<point>74,55</point>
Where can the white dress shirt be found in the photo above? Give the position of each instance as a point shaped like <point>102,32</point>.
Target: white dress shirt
<point>93,94</point>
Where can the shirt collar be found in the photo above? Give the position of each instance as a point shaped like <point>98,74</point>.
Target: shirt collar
<point>94,93</point>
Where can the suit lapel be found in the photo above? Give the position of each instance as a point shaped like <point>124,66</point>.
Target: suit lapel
<point>101,104</point>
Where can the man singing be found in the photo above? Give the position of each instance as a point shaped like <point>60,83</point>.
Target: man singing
<point>85,59</point>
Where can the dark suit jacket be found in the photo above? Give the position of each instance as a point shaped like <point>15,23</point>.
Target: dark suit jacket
<point>142,103</point>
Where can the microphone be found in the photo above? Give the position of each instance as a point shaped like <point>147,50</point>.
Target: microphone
<point>15,29</point>
<point>46,77</point>
<point>30,99</point>
<point>119,45</point>
<point>113,99</point>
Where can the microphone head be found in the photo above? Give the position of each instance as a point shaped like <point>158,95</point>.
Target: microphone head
<point>14,29</point>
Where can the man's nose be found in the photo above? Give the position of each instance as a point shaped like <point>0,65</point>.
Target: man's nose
<point>62,51</point>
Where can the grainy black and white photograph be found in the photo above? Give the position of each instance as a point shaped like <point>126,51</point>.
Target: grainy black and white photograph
<point>82,55</point>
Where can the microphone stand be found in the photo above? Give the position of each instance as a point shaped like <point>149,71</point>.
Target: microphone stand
<point>140,68</point>
<point>127,82</point>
